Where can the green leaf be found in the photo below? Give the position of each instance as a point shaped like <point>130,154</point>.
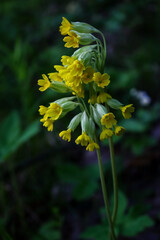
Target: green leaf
<point>133,125</point>
<point>98,232</point>
<point>135,226</point>
<point>123,202</point>
<point>85,189</point>
<point>10,129</point>
<point>48,232</point>
<point>31,131</point>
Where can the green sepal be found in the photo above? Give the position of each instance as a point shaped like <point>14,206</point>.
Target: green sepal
<point>100,109</point>
<point>114,103</point>
<point>64,100</point>
<point>83,27</point>
<point>85,38</point>
<point>68,107</point>
<point>85,49</point>
<point>96,116</point>
<point>59,87</point>
<point>91,128</point>
<point>75,122</point>
<point>84,122</point>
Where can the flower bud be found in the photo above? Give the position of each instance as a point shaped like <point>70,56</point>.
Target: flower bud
<point>83,27</point>
<point>75,122</point>
<point>59,87</point>
<point>84,122</point>
<point>114,103</point>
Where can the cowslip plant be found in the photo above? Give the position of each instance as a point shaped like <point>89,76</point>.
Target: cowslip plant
<point>82,75</point>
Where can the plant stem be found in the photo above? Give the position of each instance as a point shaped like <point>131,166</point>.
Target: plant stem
<point>115,183</point>
<point>105,195</point>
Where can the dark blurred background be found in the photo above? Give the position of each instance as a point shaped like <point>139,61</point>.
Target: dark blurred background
<point>50,189</point>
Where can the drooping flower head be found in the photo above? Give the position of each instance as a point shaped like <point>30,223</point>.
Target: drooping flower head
<point>54,111</point>
<point>127,110</point>
<point>106,133</point>
<point>44,83</point>
<point>48,123</point>
<point>66,135</point>
<point>83,139</point>
<point>65,26</point>
<point>108,120</point>
<point>72,40</point>
<point>119,130</point>
<point>91,146</point>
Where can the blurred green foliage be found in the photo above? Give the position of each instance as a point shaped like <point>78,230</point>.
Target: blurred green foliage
<point>34,169</point>
<point>127,224</point>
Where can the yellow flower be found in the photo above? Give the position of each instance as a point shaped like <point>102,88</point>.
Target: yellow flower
<point>66,135</point>
<point>47,123</point>
<point>79,90</point>
<point>102,98</point>
<point>55,77</point>
<point>54,111</point>
<point>101,80</point>
<point>66,60</point>
<point>44,83</point>
<point>88,75</point>
<point>127,110</point>
<point>108,120</point>
<point>83,139</point>
<point>64,73</point>
<point>71,40</point>
<point>76,68</point>
<point>119,130</point>
<point>73,81</point>
<point>65,26</point>
<point>106,133</point>
<point>91,146</point>
<point>42,109</point>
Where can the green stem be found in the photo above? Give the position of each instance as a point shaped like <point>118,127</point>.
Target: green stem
<point>105,195</point>
<point>115,183</point>
<point>114,176</point>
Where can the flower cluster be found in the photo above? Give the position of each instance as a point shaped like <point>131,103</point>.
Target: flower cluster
<point>82,76</point>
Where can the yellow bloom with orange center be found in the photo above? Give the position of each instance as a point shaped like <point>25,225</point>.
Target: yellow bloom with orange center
<point>65,26</point>
<point>66,135</point>
<point>54,111</point>
<point>108,120</point>
<point>83,139</point>
<point>92,146</point>
<point>106,133</point>
<point>102,97</point>
<point>119,130</point>
<point>55,77</point>
<point>72,40</point>
<point>44,83</point>
<point>102,80</point>
<point>127,110</point>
